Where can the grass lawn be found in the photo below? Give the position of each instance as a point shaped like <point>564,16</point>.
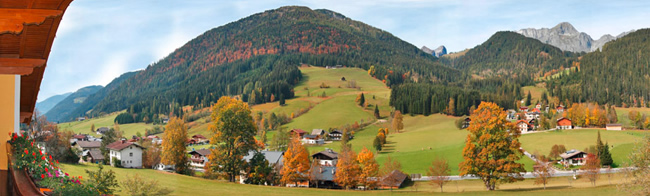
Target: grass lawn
<point>622,114</point>
<point>128,130</point>
<point>579,139</point>
<point>187,185</point>
<point>535,93</point>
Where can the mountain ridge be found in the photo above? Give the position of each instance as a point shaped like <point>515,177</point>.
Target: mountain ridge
<point>47,104</point>
<point>566,37</point>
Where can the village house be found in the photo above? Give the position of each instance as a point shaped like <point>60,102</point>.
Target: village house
<point>102,130</point>
<point>326,157</point>
<point>313,139</point>
<point>80,137</point>
<point>335,135</point>
<point>300,132</point>
<point>524,126</point>
<point>200,139</point>
<point>394,180</point>
<point>564,123</point>
<point>128,153</point>
<point>324,177</point>
<point>466,123</point>
<point>154,139</point>
<point>94,156</point>
<point>523,109</point>
<point>559,109</point>
<point>533,114</point>
<point>81,118</point>
<point>273,157</point>
<point>511,115</point>
<point>538,106</point>
<point>574,157</point>
<point>198,158</point>
<point>614,127</point>
<point>320,132</point>
<point>87,145</point>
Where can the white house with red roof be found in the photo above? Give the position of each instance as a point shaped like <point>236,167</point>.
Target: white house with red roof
<point>128,153</point>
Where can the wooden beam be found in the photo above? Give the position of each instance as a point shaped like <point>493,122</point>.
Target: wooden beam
<point>13,20</point>
<point>19,66</point>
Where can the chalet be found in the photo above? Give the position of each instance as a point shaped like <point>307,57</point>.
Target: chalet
<point>154,139</point>
<point>165,120</point>
<point>198,158</point>
<point>87,146</point>
<point>538,106</point>
<point>336,135</point>
<point>511,114</point>
<point>324,177</point>
<point>320,132</point>
<point>80,137</point>
<point>327,157</point>
<point>524,126</point>
<point>334,67</point>
<point>574,157</point>
<point>564,123</point>
<point>532,115</point>
<point>102,130</point>
<point>81,118</point>
<point>275,159</point>
<point>466,122</point>
<point>200,139</point>
<point>312,139</point>
<point>94,156</point>
<point>393,180</point>
<point>128,153</point>
<point>559,109</point>
<point>523,109</point>
<point>614,127</point>
<point>300,132</point>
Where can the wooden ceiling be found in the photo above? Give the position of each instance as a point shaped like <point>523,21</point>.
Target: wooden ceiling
<point>27,30</point>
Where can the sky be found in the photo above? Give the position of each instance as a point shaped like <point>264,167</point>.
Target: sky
<point>98,41</point>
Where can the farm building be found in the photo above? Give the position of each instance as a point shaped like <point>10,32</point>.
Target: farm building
<point>564,123</point>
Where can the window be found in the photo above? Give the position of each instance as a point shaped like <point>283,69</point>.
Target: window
<point>130,154</point>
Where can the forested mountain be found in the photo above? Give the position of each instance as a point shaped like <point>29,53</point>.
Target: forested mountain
<point>50,102</point>
<point>257,57</point>
<point>70,103</point>
<point>508,54</point>
<point>92,100</point>
<point>620,74</point>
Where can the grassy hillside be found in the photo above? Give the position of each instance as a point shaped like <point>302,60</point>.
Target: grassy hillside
<point>579,139</point>
<point>128,130</point>
<point>186,185</point>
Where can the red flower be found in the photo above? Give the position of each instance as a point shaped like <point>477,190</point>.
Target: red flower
<point>43,157</point>
<point>26,151</point>
<point>33,154</point>
<point>66,174</point>
<point>15,136</point>
<point>57,161</point>
<point>50,157</point>
<point>79,177</point>
<point>43,176</point>
<point>46,169</point>
<point>39,151</point>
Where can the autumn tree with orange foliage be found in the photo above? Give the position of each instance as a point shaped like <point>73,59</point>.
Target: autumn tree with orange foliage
<point>173,145</point>
<point>296,162</point>
<point>492,147</point>
<point>398,123</point>
<point>369,168</point>
<point>439,172</point>
<point>347,169</point>
<point>591,169</point>
<point>234,136</point>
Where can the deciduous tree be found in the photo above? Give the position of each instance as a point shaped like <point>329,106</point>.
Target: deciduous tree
<point>591,169</point>
<point>398,119</point>
<point>543,170</point>
<point>638,182</point>
<point>173,145</point>
<point>492,147</point>
<point>369,169</point>
<point>296,162</point>
<point>439,172</point>
<point>234,136</point>
<point>347,169</point>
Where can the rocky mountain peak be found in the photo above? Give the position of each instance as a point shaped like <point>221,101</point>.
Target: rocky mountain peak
<point>565,28</point>
<point>567,38</point>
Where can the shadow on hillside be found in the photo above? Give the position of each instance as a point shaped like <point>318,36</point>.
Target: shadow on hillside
<point>534,189</point>
<point>387,148</point>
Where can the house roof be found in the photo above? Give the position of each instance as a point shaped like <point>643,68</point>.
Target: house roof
<point>89,144</point>
<point>119,145</point>
<point>317,131</point>
<point>571,153</point>
<point>524,121</point>
<point>328,153</point>
<point>325,173</point>
<point>202,152</point>
<point>309,136</point>
<point>563,118</point>
<point>613,125</point>
<point>394,179</point>
<point>199,136</point>
<point>336,132</point>
<point>272,157</point>
<point>96,154</point>
<point>102,129</point>
<point>78,136</point>
<point>535,110</point>
<point>300,131</point>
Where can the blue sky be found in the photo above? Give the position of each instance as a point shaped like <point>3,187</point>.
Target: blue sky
<point>99,40</point>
